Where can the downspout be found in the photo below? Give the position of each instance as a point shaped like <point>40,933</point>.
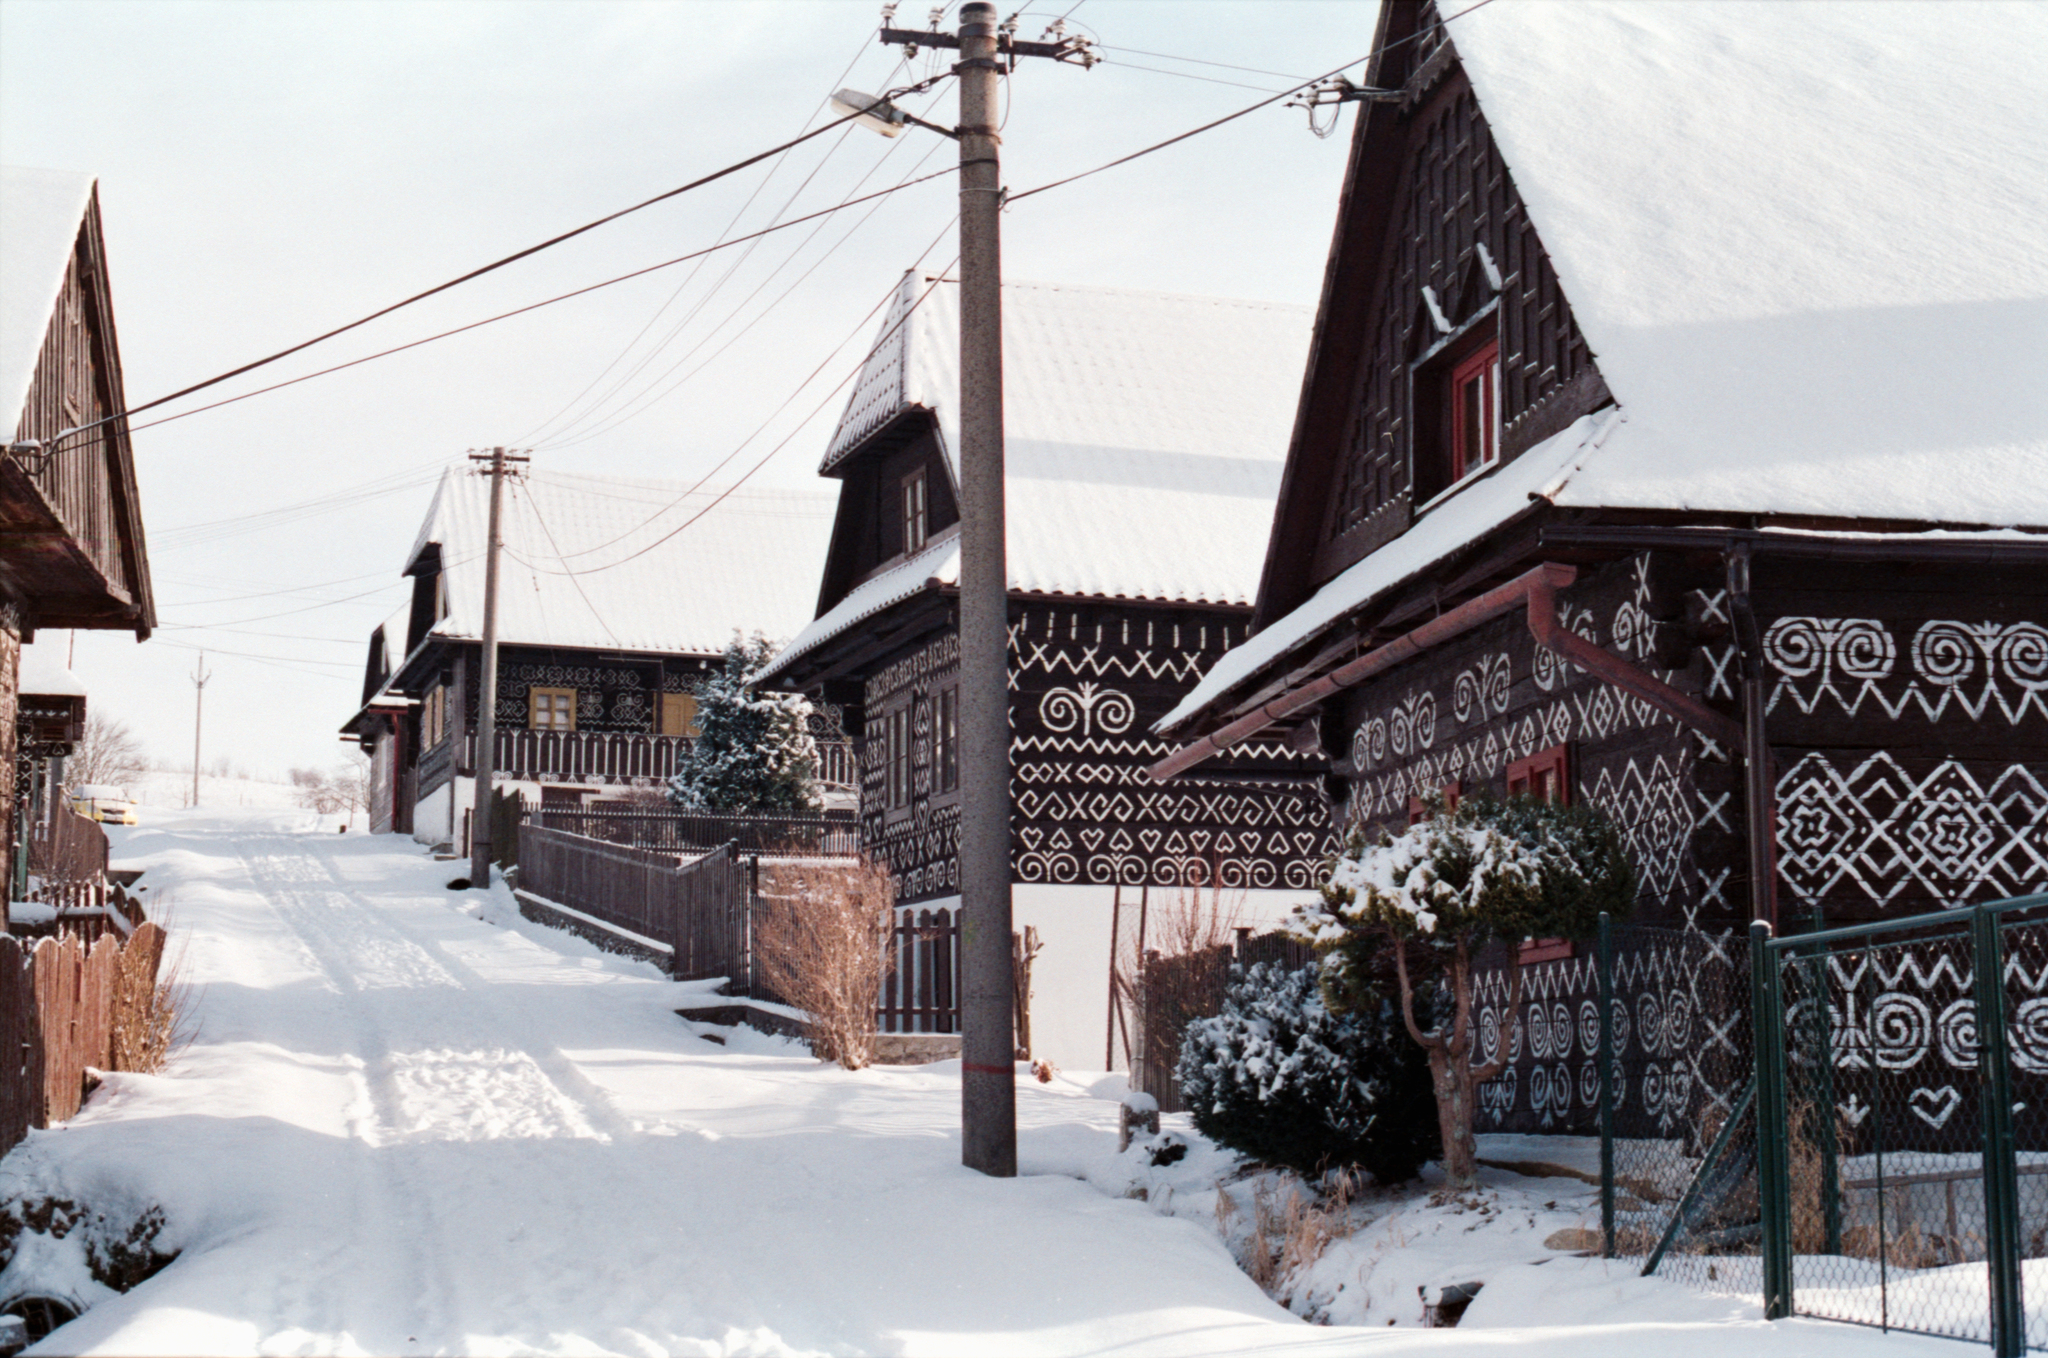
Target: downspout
<point>1760,811</point>
<point>1535,592</point>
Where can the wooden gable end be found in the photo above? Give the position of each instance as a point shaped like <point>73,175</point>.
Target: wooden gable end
<point>868,529</point>
<point>1433,249</point>
<point>71,543</point>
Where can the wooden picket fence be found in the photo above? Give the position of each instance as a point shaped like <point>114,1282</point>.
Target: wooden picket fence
<point>64,1007</point>
<point>921,990</point>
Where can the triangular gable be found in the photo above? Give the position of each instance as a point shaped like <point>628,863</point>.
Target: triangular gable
<point>1433,244</point>
<point>60,369</point>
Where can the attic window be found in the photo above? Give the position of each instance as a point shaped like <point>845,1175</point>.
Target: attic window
<point>1546,776</point>
<point>916,512</point>
<point>1457,407</point>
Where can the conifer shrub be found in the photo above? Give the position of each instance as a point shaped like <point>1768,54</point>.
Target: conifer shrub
<point>753,750</point>
<point>1280,1078</point>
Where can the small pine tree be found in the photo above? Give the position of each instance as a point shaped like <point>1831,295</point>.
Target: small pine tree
<point>1487,871</point>
<point>753,751</point>
<point>1279,1077</point>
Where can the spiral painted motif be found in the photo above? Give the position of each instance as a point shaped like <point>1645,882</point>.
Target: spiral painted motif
<point>1677,1023</point>
<point>1589,1025</point>
<point>2030,1035</point>
<point>1653,1088</point>
<point>1539,1035</point>
<point>1955,1034</point>
<point>1796,647</point>
<point>1414,724</point>
<point>1900,1029</point>
<point>1650,1020</point>
<point>1561,1029</point>
<point>1589,1084</point>
<point>1617,1017</point>
<point>2023,652</point>
<point>1945,652</point>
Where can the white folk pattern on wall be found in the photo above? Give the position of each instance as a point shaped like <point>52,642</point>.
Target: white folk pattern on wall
<point>1874,829</point>
<point>1978,668</point>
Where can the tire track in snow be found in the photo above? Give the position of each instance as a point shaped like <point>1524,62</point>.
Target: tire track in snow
<point>401,1236</point>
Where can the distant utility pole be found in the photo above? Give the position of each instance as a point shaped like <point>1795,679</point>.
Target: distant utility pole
<point>988,1088</point>
<point>487,699</point>
<point>199,678</point>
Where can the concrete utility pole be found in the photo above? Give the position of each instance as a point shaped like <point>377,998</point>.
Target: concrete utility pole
<point>487,697</point>
<point>988,1048</point>
<point>988,1089</point>
<point>199,678</point>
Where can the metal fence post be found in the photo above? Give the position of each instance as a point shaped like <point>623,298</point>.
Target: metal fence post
<point>1822,1036</point>
<point>1605,961</point>
<point>2001,1177</point>
<point>1772,1155</point>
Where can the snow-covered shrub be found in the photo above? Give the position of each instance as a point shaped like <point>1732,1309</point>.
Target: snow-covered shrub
<point>1486,871</point>
<point>1279,1077</point>
<point>753,751</point>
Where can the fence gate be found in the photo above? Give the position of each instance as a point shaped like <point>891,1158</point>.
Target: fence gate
<point>1902,1115</point>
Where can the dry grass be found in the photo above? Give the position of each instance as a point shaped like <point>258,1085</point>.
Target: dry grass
<point>153,1010</point>
<point>1194,919</point>
<point>1292,1224</point>
<point>821,942</point>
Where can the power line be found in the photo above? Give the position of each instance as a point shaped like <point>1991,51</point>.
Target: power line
<point>1233,117</point>
<point>1185,75</point>
<point>1197,61</point>
<point>535,306</point>
<point>532,435</point>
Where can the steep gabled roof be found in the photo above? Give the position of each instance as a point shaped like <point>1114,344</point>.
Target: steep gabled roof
<point>1144,434</point>
<point>626,564</point>
<point>1802,241</point>
<point>41,213</point>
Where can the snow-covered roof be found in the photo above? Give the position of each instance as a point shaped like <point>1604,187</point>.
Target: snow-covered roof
<point>44,675</point>
<point>40,213</point>
<point>628,564</point>
<point>937,565</point>
<point>1811,273</point>
<point>1144,433</point>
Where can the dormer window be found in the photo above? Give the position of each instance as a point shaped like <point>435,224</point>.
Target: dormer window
<point>916,512</point>
<point>1475,411</point>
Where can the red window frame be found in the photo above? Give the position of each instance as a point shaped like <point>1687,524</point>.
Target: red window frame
<point>1545,775</point>
<point>1475,410</point>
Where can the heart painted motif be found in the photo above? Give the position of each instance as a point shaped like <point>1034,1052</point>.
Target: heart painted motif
<point>1934,1106</point>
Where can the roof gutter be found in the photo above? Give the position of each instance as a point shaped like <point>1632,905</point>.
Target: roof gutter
<point>1535,592</point>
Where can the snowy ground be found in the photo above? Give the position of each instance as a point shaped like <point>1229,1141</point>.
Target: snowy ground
<point>412,1122</point>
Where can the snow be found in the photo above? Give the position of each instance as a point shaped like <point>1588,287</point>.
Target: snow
<point>936,566</point>
<point>411,1122</point>
<point>1824,287</point>
<point>1823,293</point>
<point>628,564</point>
<point>43,675</point>
<point>41,212</point>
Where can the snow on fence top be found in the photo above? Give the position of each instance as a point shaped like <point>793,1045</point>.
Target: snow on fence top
<point>628,564</point>
<point>40,213</point>
<point>1803,243</point>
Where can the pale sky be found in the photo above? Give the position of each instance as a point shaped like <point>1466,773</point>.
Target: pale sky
<point>269,170</point>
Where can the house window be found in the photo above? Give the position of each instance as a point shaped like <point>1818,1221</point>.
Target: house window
<point>916,512</point>
<point>551,709</point>
<point>1546,776</point>
<point>896,759</point>
<point>679,715</point>
<point>434,717</point>
<point>946,739</point>
<point>1475,411</point>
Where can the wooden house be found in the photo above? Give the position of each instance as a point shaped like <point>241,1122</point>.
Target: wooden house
<point>1143,441</point>
<point>615,598</point>
<point>1674,441</point>
<point>71,546</point>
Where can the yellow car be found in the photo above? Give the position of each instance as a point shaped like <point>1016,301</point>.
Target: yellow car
<point>101,802</point>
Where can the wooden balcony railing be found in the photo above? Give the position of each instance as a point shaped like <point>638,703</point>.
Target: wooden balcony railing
<point>622,758</point>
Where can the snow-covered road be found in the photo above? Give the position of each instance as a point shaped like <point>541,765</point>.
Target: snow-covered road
<point>413,1122</point>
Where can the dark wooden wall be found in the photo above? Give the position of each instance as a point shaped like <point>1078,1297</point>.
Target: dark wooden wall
<point>1089,679</point>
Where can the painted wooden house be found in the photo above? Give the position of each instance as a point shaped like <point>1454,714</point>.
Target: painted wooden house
<point>616,597</point>
<point>1698,472</point>
<point>72,553</point>
<point>1143,444</point>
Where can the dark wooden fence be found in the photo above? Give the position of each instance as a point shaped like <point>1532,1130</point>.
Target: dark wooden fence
<point>1169,993</point>
<point>921,989</point>
<point>64,1007</point>
<point>835,833</point>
